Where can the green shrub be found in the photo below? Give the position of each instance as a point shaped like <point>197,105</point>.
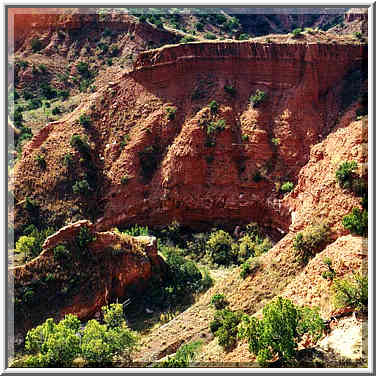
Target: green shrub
<point>36,45</point>
<point>57,345</point>
<point>215,126</point>
<point>56,110</point>
<point>219,248</point>
<point>124,179</point>
<point>63,94</point>
<point>297,32</point>
<point>213,105</point>
<point>352,292</point>
<point>244,36</point>
<point>42,68</point>
<point>137,230</point>
<point>219,301</point>
<point>61,252</point>
<point>48,91</point>
<point>34,103</point>
<point>171,111</point>
<point>356,222</point>
<point>81,187</point>
<point>287,187</point>
<point>68,159</point>
<point>124,141</point>
<point>210,36</point>
<point>249,267</point>
<point>230,90</point>
<point>345,174</point>
<point>183,357</point>
<point>83,69</point>
<point>225,327</point>
<point>311,241</point>
<point>85,120</point>
<point>39,158</point>
<point>358,35</point>
<point>187,39</point>
<point>280,330</point>
<point>330,273</point>
<point>81,145</point>
<point>109,62</point>
<point>199,26</point>
<point>258,98</point>
<point>83,239</point>
<point>245,137</point>
<point>276,141</point>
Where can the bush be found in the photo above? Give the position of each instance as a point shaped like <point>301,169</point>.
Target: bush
<point>245,137</point>
<point>215,126</point>
<point>311,241</point>
<point>83,69</point>
<point>230,90</point>
<point>57,345</point>
<point>249,267</point>
<point>356,222</point>
<point>219,301</point>
<point>36,45</point>
<point>34,103</point>
<point>183,357</point>
<point>124,179</point>
<point>199,26</point>
<point>297,32</point>
<point>187,39</point>
<point>47,91</point>
<point>61,252</point>
<point>68,159</point>
<point>225,327</point>
<point>171,111</point>
<point>345,174</point>
<point>81,187</point>
<point>244,36</point>
<point>210,36</point>
<point>41,161</point>
<point>280,330</point>
<point>85,120</point>
<point>213,105</point>
<point>258,98</point>
<point>30,205</point>
<point>287,187</point>
<point>81,145</point>
<point>219,248</point>
<point>352,292</point>
<point>56,110</point>
<point>137,230</point>
<point>63,94</point>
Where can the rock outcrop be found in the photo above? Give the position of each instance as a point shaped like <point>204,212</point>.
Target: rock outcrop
<point>80,281</point>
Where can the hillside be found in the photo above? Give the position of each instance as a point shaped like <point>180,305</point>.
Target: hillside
<point>149,156</point>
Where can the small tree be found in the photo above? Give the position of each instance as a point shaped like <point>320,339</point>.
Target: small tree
<point>219,301</point>
<point>356,222</point>
<point>213,105</point>
<point>352,292</point>
<point>287,187</point>
<point>280,330</point>
<point>345,174</point>
<point>219,248</point>
<point>258,98</point>
<point>36,45</point>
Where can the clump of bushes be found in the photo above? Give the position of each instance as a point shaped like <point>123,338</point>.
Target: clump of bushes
<point>330,273</point>
<point>225,327</point>
<point>187,39</point>
<point>352,292</point>
<point>210,36</point>
<point>183,357</point>
<point>345,174</point>
<point>58,345</point>
<point>215,126</point>
<point>297,32</point>
<point>81,187</point>
<point>213,105</point>
<point>230,90</point>
<point>219,248</point>
<point>124,179</point>
<point>258,98</point>
<point>280,330</point>
<point>249,267</point>
<point>244,36</point>
<point>171,111</point>
<point>356,222</point>
<point>287,187</point>
<point>311,241</point>
<point>80,144</point>
<point>61,252</point>
<point>41,161</point>
<point>36,45</point>
<point>85,120</point>
<point>219,301</point>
